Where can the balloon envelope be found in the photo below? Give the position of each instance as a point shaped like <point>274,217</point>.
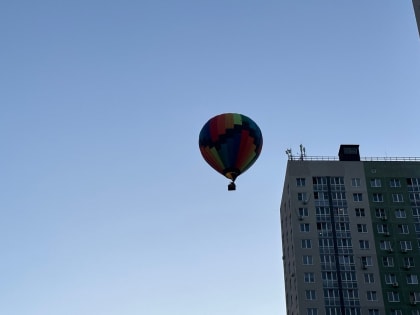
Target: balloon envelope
<point>230,143</point>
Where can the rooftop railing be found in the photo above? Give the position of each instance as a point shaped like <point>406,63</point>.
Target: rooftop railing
<point>336,158</point>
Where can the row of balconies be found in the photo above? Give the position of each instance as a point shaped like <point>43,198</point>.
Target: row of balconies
<point>406,267</point>
<point>402,250</point>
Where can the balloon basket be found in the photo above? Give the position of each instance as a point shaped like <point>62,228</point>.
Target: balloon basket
<point>231,186</point>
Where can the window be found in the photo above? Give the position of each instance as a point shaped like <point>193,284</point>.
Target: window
<point>394,182</point>
<point>350,294</point>
<point>319,195</point>
<point>393,296</point>
<point>382,228</point>
<point>408,262</point>
<point>344,242</point>
<point>309,277</point>
<point>322,211</point>
<point>375,182</point>
<point>346,260</point>
<point>307,260</point>
<point>310,294</point>
<point>329,276</point>
<point>396,312</point>
<point>357,197</point>
<point>373,311</point>
<point>400,214</point>
<point>390,278</point>
<point>304,227</point>
<point>331,293</point>
<point>355,182</point>
<point>338,196</point>
<point>372,295</point>
<point>377,197</point>
<point>414,296</point>
<point>369,278</point>
<point>414,198</point>
<point>380,213</point>
<point>302,196</point>
<point>412,279</point>
<point>341,211</point>
<point>337,180</point>
<point>385,245</point>
<point>405,245</point>
<point>413,181</point>
<point>306,244</point>
<point>366,261</point>
<point>403,228</point>
<point>347,276</point>
<point>362,228</point>
<point>333,311</point>
<point>415,212</point>
<point>326,242</point>
<point>388,261</point>
<point>319,180</point>
<point>300,182</point>
<point>303,212</point>
<point>364,244</point>
<point>342,227</point>
<point>311,311</point>
<point>352,311</point>
<point>327,259</point>
<point>324,227</point>
<point>360,212</point>
<point>415,312</point>
<point>397,198</point>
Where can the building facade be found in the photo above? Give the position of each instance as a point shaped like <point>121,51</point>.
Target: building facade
<point>351,235</point>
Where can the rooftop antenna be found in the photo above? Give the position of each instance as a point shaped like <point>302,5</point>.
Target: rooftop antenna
<point>302,152</point>
<point>289,154</point>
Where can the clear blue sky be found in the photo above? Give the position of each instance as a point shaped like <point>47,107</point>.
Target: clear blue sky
<point>106,204</point>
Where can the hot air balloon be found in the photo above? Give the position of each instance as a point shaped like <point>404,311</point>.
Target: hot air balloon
<point>230,143</point>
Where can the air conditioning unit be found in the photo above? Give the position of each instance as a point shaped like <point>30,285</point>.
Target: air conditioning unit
<point>403,250</point>
<point>390,250</point>
<point>387,234</point>
<point>364,266</point>
<point>384,218</point>
<point>300,218</point>
<point>413,302</point>
<point>407,267</point>
<point>395,284</point>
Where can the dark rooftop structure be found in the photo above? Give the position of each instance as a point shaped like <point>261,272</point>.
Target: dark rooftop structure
<point>349,152</point>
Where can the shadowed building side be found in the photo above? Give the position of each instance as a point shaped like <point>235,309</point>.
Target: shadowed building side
<point>416,5</point>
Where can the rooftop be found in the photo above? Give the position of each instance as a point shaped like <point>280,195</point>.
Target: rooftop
<point>336,158</point>
<point>347,152</point>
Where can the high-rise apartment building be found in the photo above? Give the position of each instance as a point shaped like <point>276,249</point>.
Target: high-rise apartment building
<point>351,235</point>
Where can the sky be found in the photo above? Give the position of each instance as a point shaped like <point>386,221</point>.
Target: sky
<point>106,205</point>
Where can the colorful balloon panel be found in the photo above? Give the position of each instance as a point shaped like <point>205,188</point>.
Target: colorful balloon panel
<point>230,143</point>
